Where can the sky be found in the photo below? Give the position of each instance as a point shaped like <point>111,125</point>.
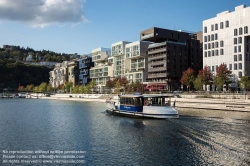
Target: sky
<point>79,26</point>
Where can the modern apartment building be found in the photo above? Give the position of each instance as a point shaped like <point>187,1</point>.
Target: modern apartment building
<point>59,75</point>
<point>136,65</point>
<point>73,72</point>
<point>171,53</point>
<point>118,58</point>
<point>85,63</point>
<point>102,70</point>
<point>227,40</point>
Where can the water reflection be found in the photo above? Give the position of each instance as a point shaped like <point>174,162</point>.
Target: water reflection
<point>198,137</point>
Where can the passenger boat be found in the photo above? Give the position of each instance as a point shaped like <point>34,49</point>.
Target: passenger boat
<point>145,106</point>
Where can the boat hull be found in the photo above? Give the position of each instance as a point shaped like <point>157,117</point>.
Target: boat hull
<point>141,114</point>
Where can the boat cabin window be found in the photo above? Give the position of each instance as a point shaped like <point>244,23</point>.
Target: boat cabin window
<point>156,101</point>
<point>131,101</point>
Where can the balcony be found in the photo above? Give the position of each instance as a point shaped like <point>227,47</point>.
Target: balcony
<point>147,36</point>
<point>157,69</point>
<point>157,44</point>
<point>156,57</point>
<point>157,75</point>
<point>157,50</point>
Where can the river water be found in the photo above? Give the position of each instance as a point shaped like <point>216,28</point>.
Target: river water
<point>198,137</point>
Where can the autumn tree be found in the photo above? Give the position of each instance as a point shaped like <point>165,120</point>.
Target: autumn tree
<point>223,76</point>
<point>188,77</point>
<point>117,87</point>
<point>205,77</point>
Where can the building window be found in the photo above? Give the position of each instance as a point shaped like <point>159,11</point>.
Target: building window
<point>212,37</point>
<point>212,52</point>
<point>235,32</point>
<point>209,53</point>
<point>227,24</point>
<point>212,27</point>
<point>235,40</point>
<point>221,52</point>
<point>239,48</point>
<point>235,66</point>
<point>221,25</point>
<point>205,38</point>
<point>216,67</point>
<point>216,52</point>
<point>212,45</point>
<point>205,54</point>
<point>235,49</point>
<point>216,44</point>
<point>216,26</point>
<point>221,43</point>
<point>240,66</point>
<point>209,46</point>
<point>212,68</point>
<point>230,66</point>
<point>245,29</point>
<point>240,74</point>
<point>240,57</point>
<point>235,57</point>
<point>208,37</point>
<point>240,31</point>
<point>205,29</point>
<point>216,36</point>
<point>205,47</point>
<point>240,40</point>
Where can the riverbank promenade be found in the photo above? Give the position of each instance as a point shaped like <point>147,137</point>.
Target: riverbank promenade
<point>229,102</point>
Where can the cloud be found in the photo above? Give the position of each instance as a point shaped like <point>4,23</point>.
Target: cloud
<point>40,13</point>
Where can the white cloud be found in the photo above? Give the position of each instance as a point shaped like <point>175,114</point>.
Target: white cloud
<point>42,12</point>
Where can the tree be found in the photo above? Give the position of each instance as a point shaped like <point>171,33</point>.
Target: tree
<point>117,87</point>
<point>43,87</point>
<point>49,88</point>
<point>188,77</point>
<point>68,85</point>
<point>223,76</point>
<point>205,77</point>
<point>198,83</point>
<point>245,82</point>
<point>81,89</point>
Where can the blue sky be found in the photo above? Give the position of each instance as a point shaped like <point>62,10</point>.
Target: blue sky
<point>77,26</point>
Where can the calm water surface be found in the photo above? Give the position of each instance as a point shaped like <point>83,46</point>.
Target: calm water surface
<point>198,137</point>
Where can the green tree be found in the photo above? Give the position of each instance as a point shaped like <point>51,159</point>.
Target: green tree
<point>81,89</point>
<point>43,87</point>
<point>245,82</point>
<point>198,83</point>
<point>188,77</point>
<point>223,76</point>
<point>49,88</point>
<point>68,86</point>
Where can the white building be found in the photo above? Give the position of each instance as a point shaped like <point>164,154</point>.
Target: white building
<point>29,58</point>
<point>102,70</point>
<point>117,56</point>
<point>135,62</point>
<point>226,39</point>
